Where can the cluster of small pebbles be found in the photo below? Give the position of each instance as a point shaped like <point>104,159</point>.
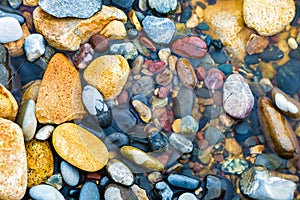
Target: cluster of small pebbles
<point>149,99</point>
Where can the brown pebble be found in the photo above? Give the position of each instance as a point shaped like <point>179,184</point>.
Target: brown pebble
<point>190,46</point>
<point>164,78</point>
<point>99,42</point>
<point>256,44</point>
<point>186,73</point>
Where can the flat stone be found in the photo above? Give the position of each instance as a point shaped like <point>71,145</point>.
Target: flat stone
<point>115,30</point>
<point>186,73</point>
<point>144,85</point>
<point>214,79</point>
<point>238,99</point>
<point>184,102</point>
<point>8,104</point>
<point>68,33</point>
<point>89,190</point>
<point>164,78</point>
<point>218,187</point>
<point>119,172</point>
<point>44,133</point>
<point>190,46</point>
<point>93,100</point>
<point>45,192</point>
<point>160,30</point>
<point>163,7</point>
<point>182,181</point>
<point>10,30</point>
<point>99,42</point>
<point>59,96</point>
<point>40,162</point>
<point>116,192</point>
<point>31,91</point>
<point>79,147</point>
<point>126,49</point>
<point>77,9</point>
<point>256,44</point>
<point>139,192</point>
<point>13,174</point>
<point>143,110</point>
<point>181,143</point>
<point>213,135</point>
<point>69,173</point>
<point>120,113</point>
<point>6,11</point>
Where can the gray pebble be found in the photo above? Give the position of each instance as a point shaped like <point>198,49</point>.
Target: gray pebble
<point>117,192</point>
<point>10,30</point>
<point>89,190</point>
<point>93,100</point>
<point>14,3</point>
<point>6,11</point>
<point>213,135</point>
<point>119,172</point>
<point>69,173</point>
<point>34,47</point>
<point>181,143</point>
<point>163,191</point>
<point>126,49</point>
<point>187,196</point>
<point>163,7</point>
<point>45,192</point>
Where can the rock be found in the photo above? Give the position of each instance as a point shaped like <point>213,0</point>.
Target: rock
<point>159,30</point>
<point>270,186</point>
<point>270,161</point>
<point>84,56</point>
<point>212,112</point>
<point>15,3</point>
<point>13,174</point>
<point>188,125</point>
<point>217,187</point>
<point>163,7</point>
<point>34,47</point>
<point>99,42</point>
<point>186,73</point>
<point>118,139</point>
<point>232,146</point>
<point>164,55</point>
<point>4,68</point>
<point>79,147</point>
<point>31,91</point>
<point>76,9</point>
<point>30,2</point>
<point>155,67</point>
<point>134,20</point>
<point>268,17</point>
<point>10,30</point>
<point>126,49</point>
<point>163,117</point>
<point>234,166</point>
<point>6,11</point>
<point>123,4</point>
<point>8,104</point>
<point>181,143</point>
<point>143,110</point>
<point>163,191</point>
<point>120,113</point>
<point>277,131</point>
<point>238,99</point>
<point>40,162</point>
<point>44,133</point>
<point>115,30</point>
<point>69,173</point>
<point>187,196</point>
<point>213,135</point>
<point>182,181</point>
<point>67,34</point>
<point>256,44</point>
<point>45,192</point>
<point>139,192</point>
<point>141,158</point>
<point>164,78</point>
<point>158,141</point>
<point>119,172</point>
<point>190,46</point>
<point>144,85</point>
<point>27,120</point>
<point>89,190</point>
<point>116,192</point>
<point>214,79</point>
<point>55,181</point>
<point>108,74</point>
<point>271,54</point>
<point>183,102</point>
<point>59,96</point>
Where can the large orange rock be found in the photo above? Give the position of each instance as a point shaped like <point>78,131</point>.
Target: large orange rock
<point>8,104</point>
<point>59,95</point>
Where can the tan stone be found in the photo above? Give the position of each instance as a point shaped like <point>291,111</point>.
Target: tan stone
<point>13,168</point>
<point>30,2</point>
<point>256,44</point>
<point>268,17</point>
<point>16,48</point>
<point>31,91</point>
<point>108,74</point>
<point>115,30</point>
<point>232,146</point>
<point>59,95</point>
<point>68,33</point>
<point>8,104</point>
<point>134,20</point>
<point>192,22</point>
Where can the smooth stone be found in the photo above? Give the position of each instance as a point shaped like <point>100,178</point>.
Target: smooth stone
<point>8,104</point>
<point>79,147</point>
<point>4,68</point>
<point>214,79</point>
<point>59,95</point>
<point>270,187</point>
<point>159,30</point>
<point>122,4</point>
<point>27,120</point>
<point>271,54</point>
<point>139,192</point>
<point>270,161</point>
<point>234,166</point>
<point>256,44</point>
<point>70,174</point>
<point>99,42</point>
<point>119,172</point>
<point>219,57</point>
<point>89,190</point>
<point>69,33</point>
<point>190,46</point>
<point>108,74</point>
<point>76,9</point>
<point>225,68</point>
<point>163,7</point>
<point>84,56</point>
<point>13,174</point>
<point>30,2</point>
<point>116,192</point>
<point>188,125</point>
<point>55,180</point>
<point>164,78</point>
<point>134,20</point>
<point>276,129</point>
<point>40,162</point>
<point>163,191</point>
<point>45,192</point>
<point>242,128</point>
<point>115,30</point>
<point>6,11</point>
<point>182,181</point>
<point>31,91</point>
<point>120,113</point>
<point>158,141</point>
<point>213,135</point>
<point>186,73</point>
<point>238,99</point>
<point>126,49</point>
<point>143,110</point>
<point>10,30</point>
<point>118,139</point>
<point>187,196</point>
<point>252,59</point>
<point>212,112</point>
<point>185,15</point>
<point>183,102</point>
<point>217,187</point>
<point>181,143</point>
<point>34,47</point>
<point>141,158</point>
<point>144,85</point>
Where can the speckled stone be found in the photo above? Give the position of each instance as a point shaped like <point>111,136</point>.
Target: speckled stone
<point>10,29</point>
<point>45,192</point>
<point>181,143</point>
<point>34,46</point>
<point>186,73</point>
<point>13,174</point>
<point>234,166</point>
<point>163,7</point>
<point>44,133</point>
<point>188,125</point>
<point>163,191</point>
<point>8,104</point>
<point>89,190</point>
<point>115,30</point>
<point>79,147</point>
<point>116,192</point>
<point>69,173</point>
<point>119,172</point>
<point>126,49</point>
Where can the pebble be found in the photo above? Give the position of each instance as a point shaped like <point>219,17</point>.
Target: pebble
<point>163,7</point>
<point>214,79</point>
<point>70,174</point>
<point>144,85</point>
<point>163,191</point>
<point>134,20</point>
<point>182,181</point>
<point>13,174</point>
<point>40,162</point>
<point>181,143</point>
<point>256,44</point>
<point>8,104</point>
<point>141,158</point>
<point>183,102</point>
<point>270,161</point>
<point>187,196</point>
<point>190,46</point>
<point>30,2</point>
<point>31,91</point>
<point>115,30</point>
<point>271,17</point>
<point>118,139</point>
<point>79,147</point>
<point>188,125</point>
<point>34,47</point>
<point>159,30</point>
<point>270,186</point>
<point>213,135</point>
<point>186,73</point>
<point>271,54</point>
<point>219,57</point>
<point>27,120</point>
<point>45,192</point>
<point>119,172</point>
<point>89,190</point>
<point>116,192</point>
<point>234,166</point>
<point>126,49</point>
<point>77,9</point>
<point>84,56</point>
<point>212,112</point>
<point>232,146</point>
<point>10,30</point>
<point>120,113</point>
<point>158,141</point>
<point>4,72</point>
<point>6,11</point>
<point>143,110</point>
<point>277,131</point>
<point>99,42</point>
<point>292,43</point>
<point>225,68</point>
<point>139,192</point>
<point>238,99</point>
<point>164,55</point>
<point>164,78</point>
<point>123,4</point>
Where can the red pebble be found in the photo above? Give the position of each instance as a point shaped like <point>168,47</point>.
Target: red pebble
<point>163,92</point>
<point>201,73</point>
<point>155,67</point>
<point>190,46</point>
<point>214,79</point>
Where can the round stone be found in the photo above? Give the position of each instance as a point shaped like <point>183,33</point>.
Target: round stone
<point>158,141</point>
<point>181,143</point>
<point>69,173</point>
<point>188,125</point>
<point>164,7</point>
<point>184,102</point>
<point>118,139</point>
<point>99,42</point>
<point>45,192</point>
<point>187,196</point>
<point>119,172</point>
<point>10,30</point>
<point>126,49</point>
<point>213,135</point>
<point>34,46</point>
<point>84,56</point>
<point>45,132</point>
<point>89,190</point>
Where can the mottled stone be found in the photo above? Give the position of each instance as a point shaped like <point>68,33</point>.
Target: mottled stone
<point>134,20</point>
<point>189,125</point>
<point>214,79</point>
<point>234,166</point>
<point>10,30</point>
<point>116,192</point>
<point>163,7</point>
<point>181,143</point>
<point>144,85</point>
<point>8,104</point>
<point>67,34</point>
<point>238,99</point>
<point>232,146</point>
<point>119,172</point>
<point>186,73</point>
<point>69,173</point>
<point>126,49</point>
<point>190,46</point>
<point>143,110</point>
<point>256,44</point>
<point>34,46</point>
<point>45,192</point>
<point>164,78</point>
<point>13,174</point>
<point>163,191</point>
<point>84,56</point>
<point>218,187</point>
<point>79,147</point>
<point>59,96</point>
<point>115,30</point>
<point>139,192</point>
<point>30,2</point>
<point>89,190</point>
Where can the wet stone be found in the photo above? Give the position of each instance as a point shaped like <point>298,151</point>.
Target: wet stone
<point>139,192</point>
<point>271,54</point>
<point>69,173</point>
<point>212,112</point>
<point>89,190</point>
<point>219,57</point>
<point>45,192</point>
<point>119,172</point>
<point>120,113</point>
<point>158,141</point>
<point>242,128</point>
<point>213,135</point>
<point>164,78</point>
<point>116,192</point>
<point>118,139</point>
<point>6,11</point>
<point>34,47</point>
<point>99,42</point>
<point>214,79</point>
<point>181,143</point>
<point>15,3</point>
<point>163,7</point>
<point>186,73</point>
<point>190,46</point>
<point>187,196</point>
<point>55,180</point>
<point>123,4</point>
<point>217,187</point>
<point>234,166</point>
<point>225,68</point>
<point>127,50</point>
<point>144,85</point>
<point>270,161</point>
<point>163,191</point>
<point>84,56</point>
<point>10,30</point>
<point>182,181</point>
<point>188,125</point>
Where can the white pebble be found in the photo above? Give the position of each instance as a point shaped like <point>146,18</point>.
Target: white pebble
<point>45,132</point>
<point>10,30</point>
<point>292,43</point>
<point>281,102</point>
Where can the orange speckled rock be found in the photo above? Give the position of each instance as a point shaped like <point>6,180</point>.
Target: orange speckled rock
<point>59,95</point>
<point>13,168</point>
<point>79,147</point>
<point>8,104</point>
<point>40,162</point>
<point>108,74</point>
<point>30,2</point>
<point>115,30</point>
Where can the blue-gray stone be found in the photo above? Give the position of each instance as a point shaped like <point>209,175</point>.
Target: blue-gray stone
<point>270,161</point>
<point>126,49</point>
<point>163,191</point>
<point>181,143</point>
<point>123,4</point>
<point>271,54</point>
<point>225,68</point>
<point>213,135</point>
<point>118,139</point>
<point>211,112</point>
<point>120,113</point>
<point>160,30</point>
<point>217,187</point>
<point>242,128</point>
<point>182,181</point>
<point>189,125</point>
<point>34,46</point>
<point>184,102</point>
<point>164,7</point>
<point>9,12</point>
<point>187,196</point>
<point>219,57</point>
<point>10,30</point>
<point>4,73</point>
<point>158,141</point>
<point>14,3</point>
<point>45,192</point>
<point>71,8</point>
<point>89,190</point>
<point>69,173</point>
